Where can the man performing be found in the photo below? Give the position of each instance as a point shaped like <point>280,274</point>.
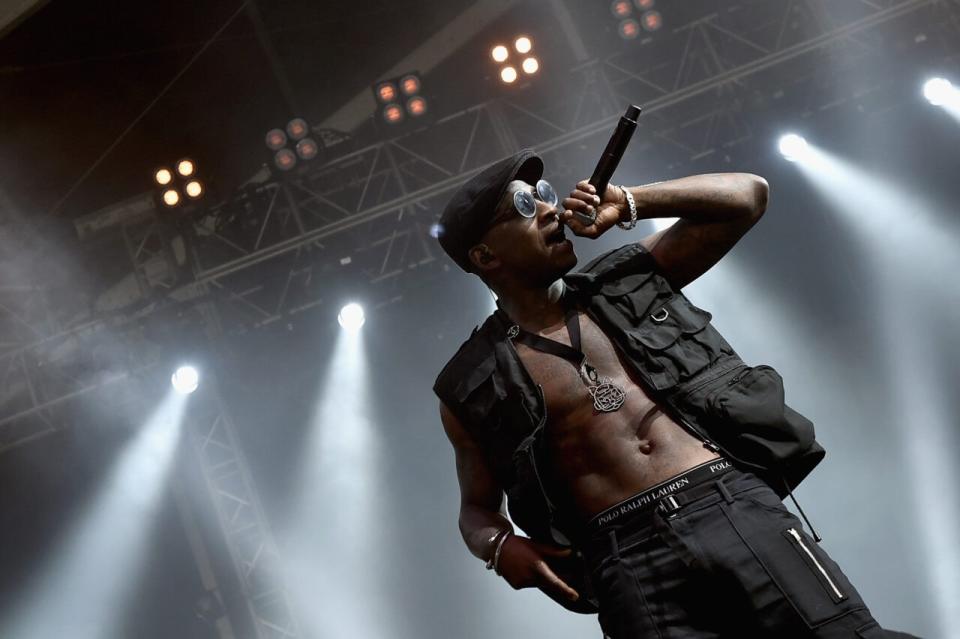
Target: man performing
<point>645,460</point>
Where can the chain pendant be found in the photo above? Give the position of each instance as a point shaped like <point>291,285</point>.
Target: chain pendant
<point>607,396</point>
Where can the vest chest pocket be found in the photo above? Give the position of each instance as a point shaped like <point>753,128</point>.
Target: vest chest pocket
<point>678,341</point>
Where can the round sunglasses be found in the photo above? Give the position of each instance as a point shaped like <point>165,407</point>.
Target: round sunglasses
<point>526,203</point>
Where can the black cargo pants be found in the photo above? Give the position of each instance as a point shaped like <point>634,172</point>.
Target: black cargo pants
<point>734,564</point>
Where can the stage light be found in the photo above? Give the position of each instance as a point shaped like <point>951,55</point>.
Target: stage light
<point>436,230</point>
<point>285,159</point>
<point>629,29</point>
<point>276,139</point>
<point>523,44</point>
<point>508,74</point>
<point>644,5</point>
<point>194,189</point>
<point>792,146</point>
<point>307,149</point>
<point>163,176</point>
<point>393,114</point>
<point>416,106</point>
<point>386,92</point>
<point>530,65</point>
<point>297,128</point>
<point>171,197</point>
<point>410,85</point>
<point>499,53</point>
<point>652,20</point>
<point>939,91</point>
<point>351,317</point>
<point>620,8</point>
<point>185,380</point>
<point>185,168</point>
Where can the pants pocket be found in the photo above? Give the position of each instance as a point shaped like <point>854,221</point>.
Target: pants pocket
<point>788,574</point>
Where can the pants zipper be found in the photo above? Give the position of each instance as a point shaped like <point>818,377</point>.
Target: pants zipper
<point>823,571</point>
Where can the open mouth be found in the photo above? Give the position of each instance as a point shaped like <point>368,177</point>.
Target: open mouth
<point>557,236</point>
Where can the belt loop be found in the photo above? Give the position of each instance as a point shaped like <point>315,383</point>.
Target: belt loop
<point>722,489</point>
<point>614,545</point>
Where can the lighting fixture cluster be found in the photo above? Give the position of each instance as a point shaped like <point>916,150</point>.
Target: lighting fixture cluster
<point>178,182</point>
<point>400,98</point>
<point>625,10</point>
<point>290,144</point>
<point>529,64</point>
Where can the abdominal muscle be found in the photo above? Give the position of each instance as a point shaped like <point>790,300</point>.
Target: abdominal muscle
<point>598,459</point>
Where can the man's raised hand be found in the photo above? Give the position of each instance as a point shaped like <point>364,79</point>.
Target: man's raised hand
<point>584,200</point>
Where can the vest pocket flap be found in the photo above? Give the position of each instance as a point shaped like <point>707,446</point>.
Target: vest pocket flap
<point>625,284</point>
<point>666,322</point>
<point>754,418</point>
<point>477,376</point>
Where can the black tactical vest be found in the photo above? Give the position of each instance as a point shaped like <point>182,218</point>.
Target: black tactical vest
<point>686,366</point>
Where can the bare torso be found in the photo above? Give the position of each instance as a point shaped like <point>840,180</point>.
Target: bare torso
<point>599,458</point>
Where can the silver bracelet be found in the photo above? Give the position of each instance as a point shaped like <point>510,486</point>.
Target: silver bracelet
<point>494,561</point>
<point>633,210</point>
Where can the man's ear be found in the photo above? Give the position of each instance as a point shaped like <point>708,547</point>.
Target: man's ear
<point>483,258</point>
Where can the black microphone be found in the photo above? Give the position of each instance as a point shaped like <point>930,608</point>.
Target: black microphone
<point>611,157</point>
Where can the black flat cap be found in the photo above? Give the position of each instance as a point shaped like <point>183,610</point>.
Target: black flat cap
<point>468,213</point>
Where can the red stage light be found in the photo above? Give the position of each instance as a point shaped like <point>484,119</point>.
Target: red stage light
<point>297,128</point>
<point>285,159</point>
<point>276,139</point>
<point>410,84</point>
<point>393,114</point>
<point>652,20</point>
<point>620,8</point>
<point>629,29</point>
<point>644,5</point>
<point>386,92</point>
<point>416,106</point>
<point>307,149</point>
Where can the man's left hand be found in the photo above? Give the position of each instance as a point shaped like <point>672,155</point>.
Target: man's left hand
<point>584,200</point>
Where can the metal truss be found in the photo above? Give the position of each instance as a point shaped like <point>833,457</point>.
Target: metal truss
<point>362,218</point>
<point>241,517</point>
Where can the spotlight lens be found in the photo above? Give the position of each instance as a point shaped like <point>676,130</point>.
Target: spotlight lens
<point>508,74</point>
<point>620,8</point>
<point>499,53</point>
<point>410,84</point>
<point>416,106</point>
<point>351,317</point>
<point>938,91</point>
<point>523,44</point>
<point>163,176</point>
<point>285,159</point>
<point>307,149</point>
<point>393,114</point>
<point>171,197</point>
<point>275,139</point>
<point>652,20</point>
<point>643,5</point>
<point>530,65</point>
<point>792,146</point>
<point>185,380</point>
<point>194,189</point>
<point>185,168</point>
<point>386,92</point>
<point>629,29</point>
<point>297,128</point>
